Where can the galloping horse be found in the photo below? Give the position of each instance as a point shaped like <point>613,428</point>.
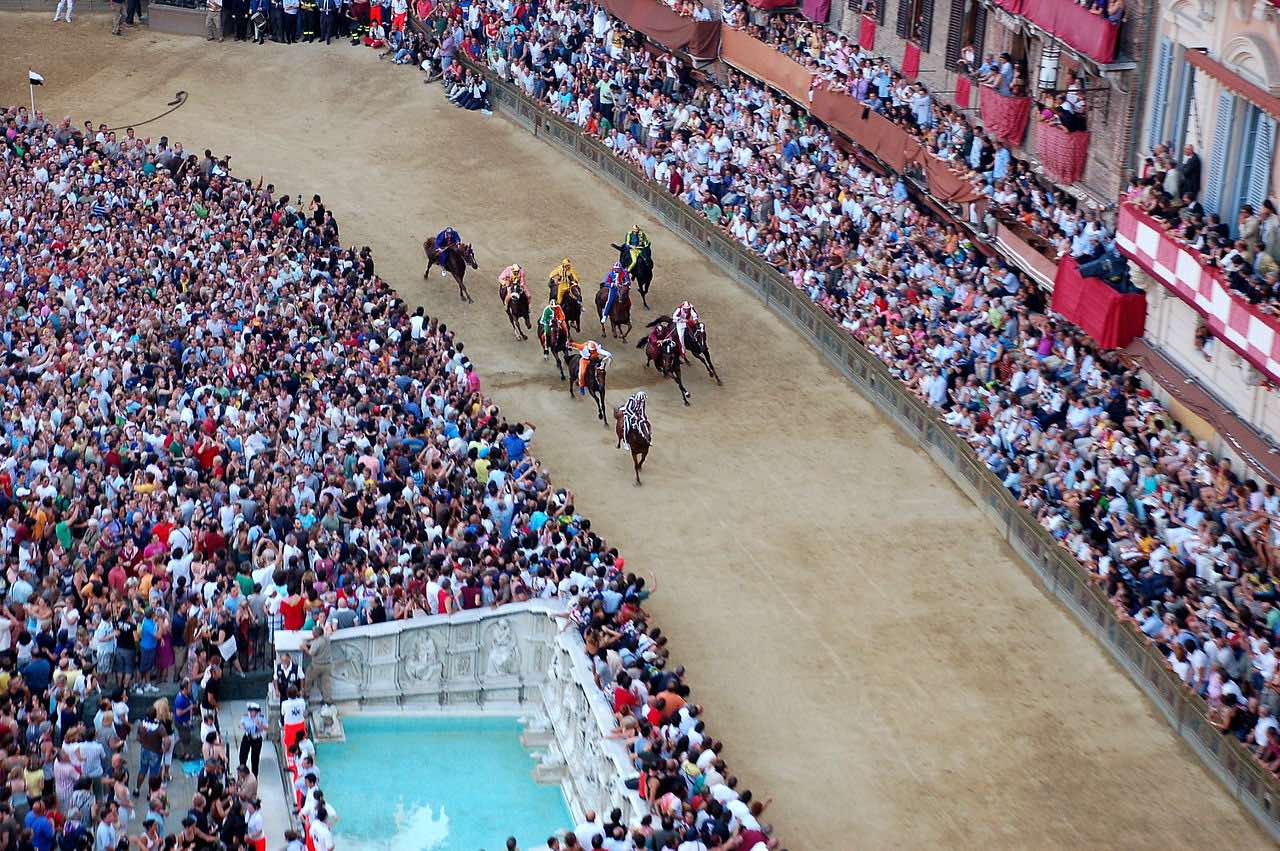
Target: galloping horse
<point>517,307</point>
<point>459,258</point>
<point>595,381</point>
<point>620,315</point>
<point>571,304</point>
<point>664,352</point>
<point>636,442</point>
<point>642,272</point>
<point>695,342</point>
<point>557,344</point>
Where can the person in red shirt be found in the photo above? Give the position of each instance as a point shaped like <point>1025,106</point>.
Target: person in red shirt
<point>623,698</point>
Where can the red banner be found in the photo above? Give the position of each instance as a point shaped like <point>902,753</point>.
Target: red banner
<point>867,33</point>
<point>1109,317</point>
<point>911,61</point>
<point>964,91</point>
<point>817,10</point>
<point>1014,6</point>
<point>1063,154</point>
<point>1005,118</point>
<point>766,63</point>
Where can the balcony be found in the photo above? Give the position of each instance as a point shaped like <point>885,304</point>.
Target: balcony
<point>1088,34</point>
<point>1248,329</point>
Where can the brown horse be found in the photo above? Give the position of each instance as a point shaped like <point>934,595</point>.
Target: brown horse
<point>664,353</point>
<point>636,442</point>
<point>555,344</point>
<point>571,304</point>
<point>517,305</point>
<point>459,258</point>
<point>595,382</point>
<point>695,342</point>
<point>619,316</point>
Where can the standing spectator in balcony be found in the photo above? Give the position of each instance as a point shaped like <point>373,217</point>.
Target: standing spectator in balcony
<point>1005,69</point>
<point>1249,228</point>
<point>1190,169</point>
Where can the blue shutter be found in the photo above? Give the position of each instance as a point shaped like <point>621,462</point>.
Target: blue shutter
<point>1224,118</point>
<point>1259,182</point>
<point>1160,93</point>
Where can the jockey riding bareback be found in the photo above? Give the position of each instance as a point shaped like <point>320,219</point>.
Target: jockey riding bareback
<point>445,240</point>
<point>684,317</point>
<point>563,278</point>
<point>589,352</point>
<point>617,280</point>
<point>636,417</point>
<point>638,242</point>
<point>552,316</point>
<point>513,274</point>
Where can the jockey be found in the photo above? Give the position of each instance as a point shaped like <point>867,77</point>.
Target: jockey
<point>684,316</point>
<point>638,242</point>
<point>563,278</point>
<point>617,280</point>
<point>589,352</point>
<point>445,240</point>
<point>513,274</point>
<point>635,416</point>
<point>552,317</point>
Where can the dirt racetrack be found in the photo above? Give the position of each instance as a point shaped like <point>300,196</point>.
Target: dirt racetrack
<point>871,652</point>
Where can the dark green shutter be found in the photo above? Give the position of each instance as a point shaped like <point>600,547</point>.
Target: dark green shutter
<point>904,19</point>
<point>955,33</point>
<point>926,24</point>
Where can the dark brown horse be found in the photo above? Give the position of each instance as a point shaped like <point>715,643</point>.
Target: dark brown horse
<point>619,316</point>
<point>664,353</point>
<point>641,272</point>
<point>695,341</point>
<point>571,304</point>
<point>556,344</point>
<point>636,442</point>
<point>517,304</point>
<point>595,382</point>
<point>459,258</point>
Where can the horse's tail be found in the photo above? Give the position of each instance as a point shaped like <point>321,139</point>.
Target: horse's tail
<point>642,342</point>
<point>657,321</point>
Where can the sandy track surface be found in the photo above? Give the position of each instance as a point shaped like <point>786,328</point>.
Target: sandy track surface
<point>871,651</point>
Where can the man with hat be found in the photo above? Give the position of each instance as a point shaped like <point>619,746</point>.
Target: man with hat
<point>253,727</point>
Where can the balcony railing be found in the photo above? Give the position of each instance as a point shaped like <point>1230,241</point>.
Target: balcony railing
<point>1247,328</point>
<point>1077,27</point>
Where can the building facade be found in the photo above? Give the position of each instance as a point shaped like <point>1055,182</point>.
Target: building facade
<point>1215,82</point>
<point>1111,84</point>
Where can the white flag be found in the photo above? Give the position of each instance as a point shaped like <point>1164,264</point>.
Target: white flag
<point>34,78</point>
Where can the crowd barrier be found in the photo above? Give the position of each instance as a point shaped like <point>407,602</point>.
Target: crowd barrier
<point>1060,574</point>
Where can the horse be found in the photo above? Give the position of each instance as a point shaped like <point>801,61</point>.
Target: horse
<point>517,308</point>
<point>556,345</point>
<point>642,272</point>
<point>571,304</point>
<point>636,442</point>
<point>664,353</point>
<point>695,342</point>
<point>456,263</point>
<point>595,382</point>
<point>620,316</point>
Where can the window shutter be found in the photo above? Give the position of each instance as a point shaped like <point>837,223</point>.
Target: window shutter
<point>1223,122</point>
<point>926,24</point>
<point>880,10</point>
<point>979,30</point>
<point>903,23</point>
<point>1160,92</point>
<point>1264,145</point>
<point>955,33</point>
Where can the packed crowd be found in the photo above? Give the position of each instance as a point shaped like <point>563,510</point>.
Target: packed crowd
<point>1011,190</point>
<point>1246,251</point>
<point>221,422</point>
<point>1180,541</point>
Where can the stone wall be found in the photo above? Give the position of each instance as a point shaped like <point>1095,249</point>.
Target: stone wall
<point>516,660</point>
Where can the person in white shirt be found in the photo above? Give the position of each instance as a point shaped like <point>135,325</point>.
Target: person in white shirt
<point>321,836</point>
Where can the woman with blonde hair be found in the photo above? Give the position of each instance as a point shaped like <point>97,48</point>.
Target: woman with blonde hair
<point>165,716</point>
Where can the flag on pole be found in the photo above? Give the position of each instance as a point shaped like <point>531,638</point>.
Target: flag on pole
<point>34,78</point>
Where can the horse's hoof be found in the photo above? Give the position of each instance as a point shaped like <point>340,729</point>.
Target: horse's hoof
<point>638,483</point>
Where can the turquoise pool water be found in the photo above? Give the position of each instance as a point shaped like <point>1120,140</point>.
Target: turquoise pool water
<point>436,784</point>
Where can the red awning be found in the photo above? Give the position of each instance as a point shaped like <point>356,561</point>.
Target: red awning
<point>1256,95</point>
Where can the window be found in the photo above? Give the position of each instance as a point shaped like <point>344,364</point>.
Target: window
<point>966,29</point>
<point>915,21</point>
<point>1172,92</point>
<point>1240,162</point>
